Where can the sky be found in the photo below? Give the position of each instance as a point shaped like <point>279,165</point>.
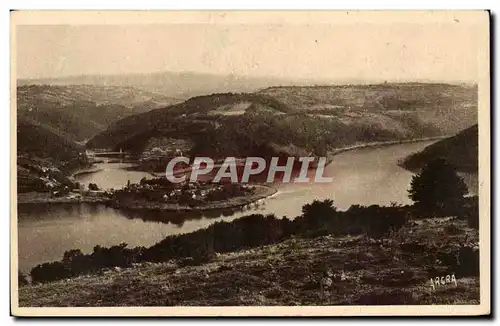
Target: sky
<point>405,51</point>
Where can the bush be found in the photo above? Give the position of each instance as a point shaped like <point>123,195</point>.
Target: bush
<point>318,214</point>
<point>75,263</point>
<point>463,262</point>
<point>374,220</point>
<point>93,187</point>
<point>49,272</point>
<point>115,256</point>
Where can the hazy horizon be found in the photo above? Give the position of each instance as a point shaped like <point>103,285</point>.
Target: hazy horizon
<point>290,81</point>
<point>441,52</point>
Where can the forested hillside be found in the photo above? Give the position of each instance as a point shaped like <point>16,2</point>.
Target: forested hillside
<point>78,112</point>
<point>460,150</point>
<point>299,119</point>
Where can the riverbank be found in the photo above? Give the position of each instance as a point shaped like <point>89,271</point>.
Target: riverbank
<point>93,169</point>
<point>32,198</point>
<point>330,153</point>
<point>154,174</point>
<point>339,150</point>
<point>261,192</point>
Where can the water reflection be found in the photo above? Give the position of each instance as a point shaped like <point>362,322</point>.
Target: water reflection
<point>179,218</point>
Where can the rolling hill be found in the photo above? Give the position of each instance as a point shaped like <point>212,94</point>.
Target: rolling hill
<point>171,84</point>
<point>38,141</point>
<point>44,158</point>
<point>449,108</point>
<point>460,150</point>
<point>78,112</point>
<point>307,119</point>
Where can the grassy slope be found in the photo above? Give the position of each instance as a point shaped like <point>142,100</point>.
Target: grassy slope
<point>460,150</point>
<point>334,115</point>
<point>287,273</point>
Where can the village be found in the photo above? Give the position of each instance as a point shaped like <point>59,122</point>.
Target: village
<point>160,190</point>
<point>43,183</point>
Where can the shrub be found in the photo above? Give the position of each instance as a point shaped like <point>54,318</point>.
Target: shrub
<point>318,213</point>
<point>93,186</point>
<point>75,263</point>
<point>115,256</point>
<point>375,221</point>
<point>49,272</point>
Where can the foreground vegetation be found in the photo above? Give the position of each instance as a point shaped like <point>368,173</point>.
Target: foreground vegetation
<point>318,218</point>
<point>318,270</point>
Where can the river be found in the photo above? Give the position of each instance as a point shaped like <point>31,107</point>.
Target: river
<point>362,176</point>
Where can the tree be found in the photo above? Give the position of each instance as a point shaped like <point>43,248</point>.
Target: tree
<point>93,186</point>
<point>317,213</point>
<point>438,188</point>
<point>71,255</point>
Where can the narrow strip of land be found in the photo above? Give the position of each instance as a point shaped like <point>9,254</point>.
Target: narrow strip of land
<point>259,193</point>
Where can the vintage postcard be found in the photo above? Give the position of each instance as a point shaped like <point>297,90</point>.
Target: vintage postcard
<point>250,163</point>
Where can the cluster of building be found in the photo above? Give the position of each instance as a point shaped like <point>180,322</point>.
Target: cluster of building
<point>32,175</point>
<point>158,153</point>
<point>162,191</point>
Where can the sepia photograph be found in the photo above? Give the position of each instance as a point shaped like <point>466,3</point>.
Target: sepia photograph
<point>250,163</point>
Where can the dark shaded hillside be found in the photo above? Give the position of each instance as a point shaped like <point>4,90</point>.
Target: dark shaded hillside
<point>194,118</point>
<point>460,150</point>
<point>45,159</point>
<point>62,121</point>
<point>80,112</point>
<point>38,141</point>
<point>307,119</point>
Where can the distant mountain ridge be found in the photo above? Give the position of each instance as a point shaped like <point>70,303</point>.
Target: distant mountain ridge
<point>172,84</point>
